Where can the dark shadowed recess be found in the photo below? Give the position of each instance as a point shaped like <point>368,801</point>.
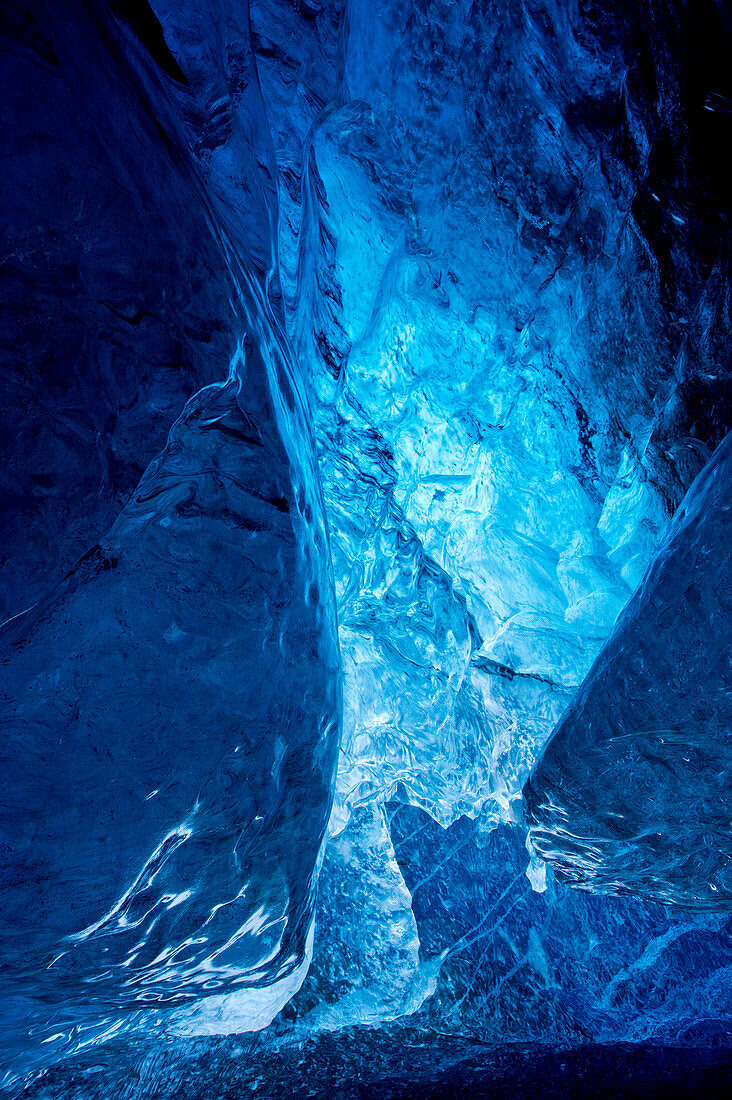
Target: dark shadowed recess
<point>145,24</point>
<point>404,1063</point>
<point>679,80</point>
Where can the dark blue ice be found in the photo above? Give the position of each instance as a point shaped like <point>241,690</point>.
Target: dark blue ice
<point>364,502</point>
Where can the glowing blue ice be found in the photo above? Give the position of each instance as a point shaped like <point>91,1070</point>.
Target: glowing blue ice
<point>392,330</point>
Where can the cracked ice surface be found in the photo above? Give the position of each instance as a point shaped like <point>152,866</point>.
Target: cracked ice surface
<point>489,521</point>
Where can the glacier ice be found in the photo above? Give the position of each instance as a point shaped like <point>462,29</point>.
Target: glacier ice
<point>473,259</point>
<point>172,737</point>
<point>632,795</point>
<point>366,967</point>
<point>559,966</point>
<point>459,417</point>
<point>171,708</point>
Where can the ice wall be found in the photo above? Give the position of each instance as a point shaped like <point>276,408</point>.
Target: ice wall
<point>512,299</point>
<point>472,257</point>
<point>496,366</point>
<point>632,793</point>
<point>171,707</point>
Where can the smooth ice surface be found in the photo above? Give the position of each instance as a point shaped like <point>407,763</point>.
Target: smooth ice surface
<point>633,794</point>
<point>163,812</point>
<point>164,809</point>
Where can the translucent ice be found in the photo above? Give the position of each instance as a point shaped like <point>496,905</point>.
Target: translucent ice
<point>171,718</point>
<point>494,235</point>
<point>171,708</point>
<point>633,794</point>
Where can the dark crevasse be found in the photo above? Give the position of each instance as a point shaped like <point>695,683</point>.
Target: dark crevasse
<point>496,236</point>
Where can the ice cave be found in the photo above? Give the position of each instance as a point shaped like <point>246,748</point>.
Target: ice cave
<point>366,501</point>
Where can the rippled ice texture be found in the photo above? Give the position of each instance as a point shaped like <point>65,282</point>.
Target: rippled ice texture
<point>632,794</point>
<point>171,708</point>
<point>472,254</point>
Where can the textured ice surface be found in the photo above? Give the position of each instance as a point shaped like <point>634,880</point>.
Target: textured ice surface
<point>633,794</point>
<point>557,966</point>
<point>518,362</point>
<point>171,708</point>
<point>164,808</point>
<point>366,967</point>
<point>487,347</point>
<point>561,968</point>
<point>171,718</point>
<point>495,236</point>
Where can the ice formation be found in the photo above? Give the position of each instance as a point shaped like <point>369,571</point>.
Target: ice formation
<point>365,383</point>
<point>632,794</point>
<point>172,708</point>
<point>200,629</point>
